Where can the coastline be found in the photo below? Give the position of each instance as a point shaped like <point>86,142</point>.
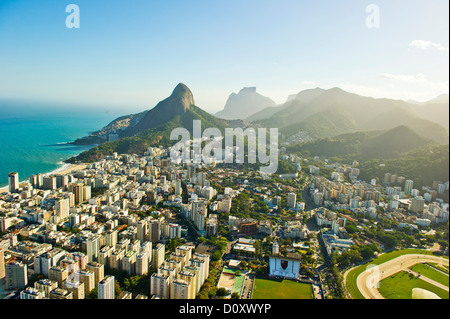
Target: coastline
<point>67,168</point>
<point>45,151</point>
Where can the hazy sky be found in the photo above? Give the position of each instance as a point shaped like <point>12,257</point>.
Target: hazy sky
<point>133,53</point>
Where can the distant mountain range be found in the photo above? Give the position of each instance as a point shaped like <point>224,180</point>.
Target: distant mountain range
<point>382,127</point>
<point>435,110</point>
<point>323,113</point>
<point>244,104</point>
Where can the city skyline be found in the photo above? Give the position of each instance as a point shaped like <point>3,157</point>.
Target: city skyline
<point>131,55</point>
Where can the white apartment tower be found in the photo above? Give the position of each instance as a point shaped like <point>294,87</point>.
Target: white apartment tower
<point>106,288</point>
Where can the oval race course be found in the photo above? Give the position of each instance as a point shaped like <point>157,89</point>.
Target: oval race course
<point>367,281</point>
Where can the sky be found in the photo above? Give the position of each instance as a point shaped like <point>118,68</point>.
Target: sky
<point>129,55</point>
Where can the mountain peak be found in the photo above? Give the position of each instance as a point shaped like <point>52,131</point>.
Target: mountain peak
<point>181,88</point>
<point>182,92</point>
<point>248,90</point>
<point>178,103</point>
<point>443,98</point>
<point>244,104</point>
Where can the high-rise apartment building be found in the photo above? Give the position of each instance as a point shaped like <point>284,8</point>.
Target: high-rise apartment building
<point>190,278</point>
<point>158,253</point>
<point>93,247</point>
<point>292,200</point>
<point>49,182</point>
<point>196,271</point>
<point>180,289</point>
<point>88,278</point>
<point>142,262</point>
<point>77,190</point>
<point>160,286</point>
<point>154,231</point>
<point>46,286</point>
<point>58,274</point>
<point>142,230</point>
<point>408,186</point>
<point>62,208</point>
<point>178,188</point>
<point>111,238</point>
<point>98,270</point>
<point>44,262</point>
<point>76,288</point>
<point>13,182</point>
<point>106,288</point>
<point>2,264</point>
<point>129,262</point>
<point>16,275</point>
<point>417,204</point>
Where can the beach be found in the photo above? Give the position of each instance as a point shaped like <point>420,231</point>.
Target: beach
<point>67,169</point>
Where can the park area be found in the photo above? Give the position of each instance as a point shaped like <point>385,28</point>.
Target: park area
<point>286,289</point>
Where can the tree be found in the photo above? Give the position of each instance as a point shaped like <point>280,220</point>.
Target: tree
<point>367,251</point>
<point>351,229</point>
<point>217,255</point>
<point>443,243</point>
<point>309,273</point>
<point>93,294</point>
<point>235,295</point>
<point>212,292</point>
<point>349,257</point>
<point>117,288</point>
<point>221,292</point>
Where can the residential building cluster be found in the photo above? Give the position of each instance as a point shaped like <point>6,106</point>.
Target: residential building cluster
<point>109,215</point>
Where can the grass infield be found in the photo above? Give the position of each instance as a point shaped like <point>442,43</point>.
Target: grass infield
<point>286,289</point>
<point>431,273</point>
<point>400,286</point>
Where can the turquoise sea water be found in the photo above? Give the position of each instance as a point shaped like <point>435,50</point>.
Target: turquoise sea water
<point>32,136</point>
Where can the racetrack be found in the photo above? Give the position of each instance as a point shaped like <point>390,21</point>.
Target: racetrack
<point>368,281</point>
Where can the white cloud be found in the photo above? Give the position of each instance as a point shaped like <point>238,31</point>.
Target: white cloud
<point>398,86</point>
<point>410,78</point>
<point>423,44</point>
<point>412,86</point>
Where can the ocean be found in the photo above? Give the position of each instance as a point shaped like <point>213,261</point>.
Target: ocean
<point>33,135</point>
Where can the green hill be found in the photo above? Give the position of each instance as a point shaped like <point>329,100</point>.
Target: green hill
<point>323,124</point>
<point>423,166</point>
<point>363,146</point>
<point>399,151</point>
<point>393,143</point>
